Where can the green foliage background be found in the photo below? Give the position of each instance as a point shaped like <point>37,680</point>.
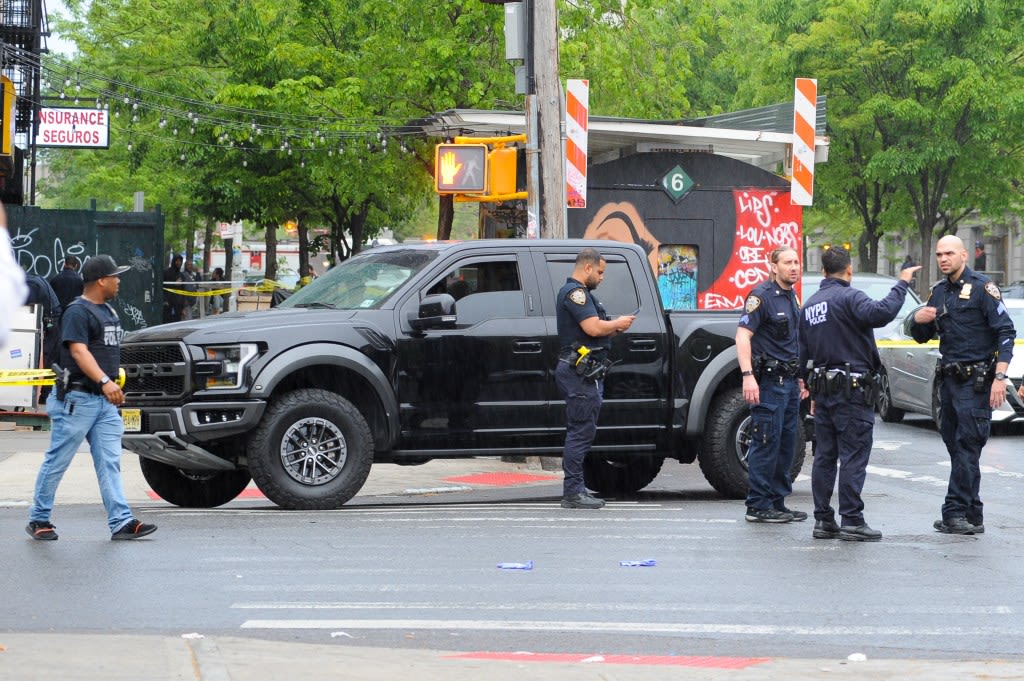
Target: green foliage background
<point>924,102</point>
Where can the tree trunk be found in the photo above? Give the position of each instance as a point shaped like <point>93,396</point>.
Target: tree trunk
<point>270,256</point>
<point>445,216</point>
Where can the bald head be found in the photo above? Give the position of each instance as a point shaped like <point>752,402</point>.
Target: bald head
<point>951,256</point>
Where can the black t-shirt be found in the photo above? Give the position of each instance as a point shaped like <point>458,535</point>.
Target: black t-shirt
<point>99,328</point>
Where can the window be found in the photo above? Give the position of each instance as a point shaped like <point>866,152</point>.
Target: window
<point>487,289</point>
<point>617,292</point>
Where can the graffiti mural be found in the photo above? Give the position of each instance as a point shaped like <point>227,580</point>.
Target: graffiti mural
<point>677,277</point>
<point>42,240</point>
<point>709,247</point>
<point>765,220</point>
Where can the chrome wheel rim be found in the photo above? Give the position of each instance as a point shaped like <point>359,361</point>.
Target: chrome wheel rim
<point>313,451</point>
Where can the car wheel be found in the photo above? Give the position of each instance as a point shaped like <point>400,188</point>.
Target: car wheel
<point>312,450</point>
<point>883,404</point>
<point>620,476</point>
<point>726,441</point>
<point>193,489</point>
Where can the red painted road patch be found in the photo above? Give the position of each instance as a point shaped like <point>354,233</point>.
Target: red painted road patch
<point>501,479</point>
<point>652,660</point>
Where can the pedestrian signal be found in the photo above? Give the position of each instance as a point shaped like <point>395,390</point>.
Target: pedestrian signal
<point>460,168</point>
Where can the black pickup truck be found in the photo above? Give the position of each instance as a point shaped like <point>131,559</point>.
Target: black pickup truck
<point>408,353</point>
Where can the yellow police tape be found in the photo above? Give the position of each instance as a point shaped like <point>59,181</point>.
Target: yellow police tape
<point>10,377</point>
<point>265,286</point>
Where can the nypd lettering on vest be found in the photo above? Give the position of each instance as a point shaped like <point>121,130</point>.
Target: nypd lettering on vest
<point>817,313</point>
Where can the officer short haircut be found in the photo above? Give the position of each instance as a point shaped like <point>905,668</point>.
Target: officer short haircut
<point>777,253</point>
<point>835,260</point>
<point>70,261</point>
<point>589,256</point>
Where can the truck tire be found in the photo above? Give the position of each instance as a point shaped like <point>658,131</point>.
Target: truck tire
<point>723,449</point>
<point>312,450</point>
<point>886,411</point>
<point>609,477</point>
<point>193,489</point>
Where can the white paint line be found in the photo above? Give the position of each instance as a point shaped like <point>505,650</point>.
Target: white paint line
<point>907,475</point>
<point>628,627</point>
<point>889,445</point>
<point>436,490</point>
<point>448,605</point>
<point>990,470</point>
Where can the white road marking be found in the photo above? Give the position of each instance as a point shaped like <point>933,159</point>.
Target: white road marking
<point>628,627</point>
<point>922,609</point>
<point>990,470</point>
<point>889,445</point>
<point>907,475</point>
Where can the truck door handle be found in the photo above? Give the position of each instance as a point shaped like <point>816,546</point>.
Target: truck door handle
<point>526,347</point>
<point>643,344</point>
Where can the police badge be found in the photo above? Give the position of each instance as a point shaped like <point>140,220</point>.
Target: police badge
<point>578,296</point>
<point>992,290</point>
<point>753,302</point>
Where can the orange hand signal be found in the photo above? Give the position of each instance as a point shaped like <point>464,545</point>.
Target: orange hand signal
<point>450,167</point>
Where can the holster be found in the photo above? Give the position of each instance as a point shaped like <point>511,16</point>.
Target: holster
<point>60,381</point>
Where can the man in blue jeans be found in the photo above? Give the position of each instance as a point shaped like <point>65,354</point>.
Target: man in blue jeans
<point>84,406</point>
<point>767,348</point>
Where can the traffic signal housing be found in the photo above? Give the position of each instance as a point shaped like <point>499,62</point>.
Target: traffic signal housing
<point>460,168</point>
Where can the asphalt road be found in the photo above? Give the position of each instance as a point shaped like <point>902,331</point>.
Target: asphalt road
<point>421,571</point>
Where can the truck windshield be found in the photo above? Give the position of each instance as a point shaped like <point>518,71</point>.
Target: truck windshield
<point>363,281</point>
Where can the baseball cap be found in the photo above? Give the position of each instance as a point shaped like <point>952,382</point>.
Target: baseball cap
<point>100,266</point>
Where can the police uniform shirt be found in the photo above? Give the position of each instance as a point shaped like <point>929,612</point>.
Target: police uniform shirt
<point>837,322</point>
<point>575,303</point>
<point>771,314</point>
<point>82,325</point>
<point>971,320</point>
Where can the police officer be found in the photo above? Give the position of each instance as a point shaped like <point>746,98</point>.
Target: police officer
<point>836,336</point>
<point>584,338</point>
<point>976,342</point>
<point>767,348</point>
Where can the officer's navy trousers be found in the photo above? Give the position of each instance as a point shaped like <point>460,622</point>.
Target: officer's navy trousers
<point>965,424</point>
<point>582,407</point>
<point>773,427</point>
<point>843,433</point>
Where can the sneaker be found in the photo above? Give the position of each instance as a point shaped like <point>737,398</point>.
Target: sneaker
<point>133,530</point>
<point>797,515</point>
<point>979,528</point>
<point>825,529</point>
<point>41,530</point>
<point>955,526</point>
<point>582,500</point>
<point>768,515</point>
<point>859,533</point>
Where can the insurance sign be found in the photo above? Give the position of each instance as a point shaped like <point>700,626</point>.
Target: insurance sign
<point>74,127</point>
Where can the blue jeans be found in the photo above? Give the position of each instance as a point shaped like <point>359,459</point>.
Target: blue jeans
<point>582,407</point>
<point>966,424</point>
<point>77,417</point>
<point>773,424</point>
<point>844,431</point>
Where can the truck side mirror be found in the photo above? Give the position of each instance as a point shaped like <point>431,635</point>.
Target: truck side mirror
<point>436,311</point>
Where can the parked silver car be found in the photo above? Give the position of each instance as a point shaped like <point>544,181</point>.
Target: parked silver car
<point>908,383</point>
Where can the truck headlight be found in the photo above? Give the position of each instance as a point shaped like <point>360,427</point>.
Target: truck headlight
<point>224,368</point>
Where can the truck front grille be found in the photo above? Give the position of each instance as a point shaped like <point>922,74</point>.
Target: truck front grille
<point>155,370</point>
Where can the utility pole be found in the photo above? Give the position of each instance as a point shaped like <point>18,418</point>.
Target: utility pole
<point>547,91</point>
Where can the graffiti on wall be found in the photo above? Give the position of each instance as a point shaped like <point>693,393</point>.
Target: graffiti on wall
<point>40,258</point>
<point>765,220</point>
<point>677,277</point>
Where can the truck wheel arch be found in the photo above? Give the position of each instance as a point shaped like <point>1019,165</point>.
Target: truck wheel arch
<point>711,379</point>
<point>343,356</point>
